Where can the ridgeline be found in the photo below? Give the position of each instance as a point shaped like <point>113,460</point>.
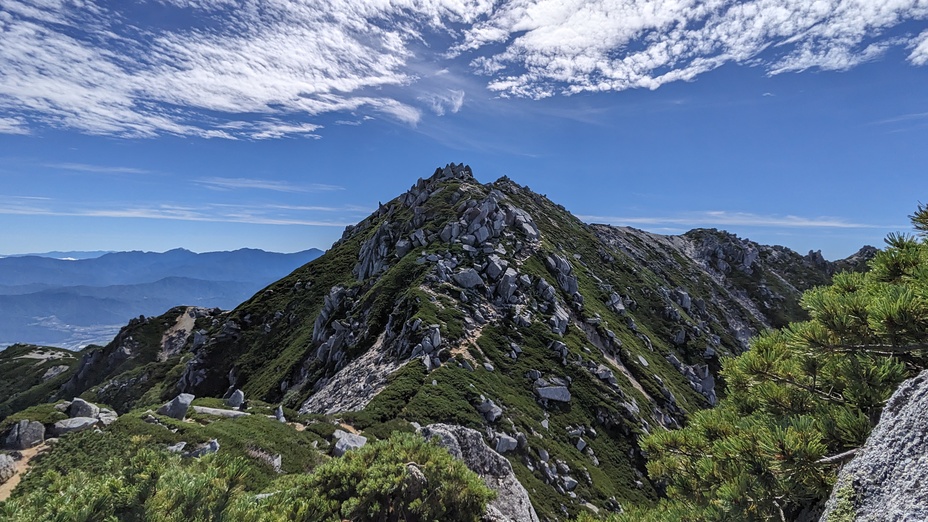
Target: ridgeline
<point>483,315</point>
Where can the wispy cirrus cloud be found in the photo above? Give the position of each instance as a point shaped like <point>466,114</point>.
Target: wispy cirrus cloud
<point>88,66</point>
<point>247,69</point>
<point>191,214</point>
<point>216,213</point>
<point>98,169</point>
<point>450,101</point>
<point>25,198</point>
<point>264,184</point>
<point>915,116</point>
<point>725,218</point>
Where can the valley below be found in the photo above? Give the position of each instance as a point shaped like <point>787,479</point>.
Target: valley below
<point>71,303</point>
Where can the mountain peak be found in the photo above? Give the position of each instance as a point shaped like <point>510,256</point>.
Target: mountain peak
<point>491,307</point>
<point>452,171</point>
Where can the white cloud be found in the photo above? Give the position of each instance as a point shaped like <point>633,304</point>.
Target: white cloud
<point>919,54</point>
<point>568,46</point>
<point>253,69</point>
<point>725,218</point>
<point>13,126</point>
<point>449,101</point>
<point>278,129</point>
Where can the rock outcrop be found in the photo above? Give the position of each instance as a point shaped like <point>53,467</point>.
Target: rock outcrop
<point>63,427</point>
<point>24,435</point>
<point>177,407</point>
<point>236,400</point>
<point>7,468</point>
<point>886,479</point>
<point>346,441</point>
<point>220,412</point>
<point>212,446</point>
<point>512,503</point>
<point>81,408</point>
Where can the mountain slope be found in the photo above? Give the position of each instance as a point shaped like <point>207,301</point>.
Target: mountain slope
<point>487,306</point>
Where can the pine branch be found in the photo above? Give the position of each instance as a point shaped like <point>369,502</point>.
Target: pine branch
<point>824,395</point>
<point>840,457</point>
<point>878,349</point>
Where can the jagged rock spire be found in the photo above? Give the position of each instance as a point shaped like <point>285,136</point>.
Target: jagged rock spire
<point>452,171</point>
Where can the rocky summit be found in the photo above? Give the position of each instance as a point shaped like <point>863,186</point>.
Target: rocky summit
<point>479,310</point>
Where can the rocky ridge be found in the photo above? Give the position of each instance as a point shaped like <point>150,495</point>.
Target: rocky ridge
<point>489,307</point>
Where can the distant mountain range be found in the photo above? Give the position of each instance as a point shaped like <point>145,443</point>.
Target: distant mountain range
<point>71,299</point>
<point>69,255</point>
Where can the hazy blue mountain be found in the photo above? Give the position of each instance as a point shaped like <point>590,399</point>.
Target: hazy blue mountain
<point>66,255</point>
<point>72,303</point>
<point>122,268</point>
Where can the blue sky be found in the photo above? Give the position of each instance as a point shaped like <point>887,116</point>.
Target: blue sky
<point>216,125</point>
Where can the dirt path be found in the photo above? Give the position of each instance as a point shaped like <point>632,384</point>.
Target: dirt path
<point>467,342</point>
<point>43,356</point>
<point>463,345</point>
<point>7,487</point>
<point>628,375</point>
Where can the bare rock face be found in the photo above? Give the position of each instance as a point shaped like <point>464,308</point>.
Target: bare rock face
<point>74,424</point>
<point>886,480</point>
<point>512,503</point>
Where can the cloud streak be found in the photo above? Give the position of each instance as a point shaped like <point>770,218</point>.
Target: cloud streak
<point>724,218</point>
<point>215,213</point>
<point>250,69</point>
<point>263,184</point>
<point>98,169</point>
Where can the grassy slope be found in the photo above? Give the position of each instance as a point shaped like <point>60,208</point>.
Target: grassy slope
<point>22,382</point>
